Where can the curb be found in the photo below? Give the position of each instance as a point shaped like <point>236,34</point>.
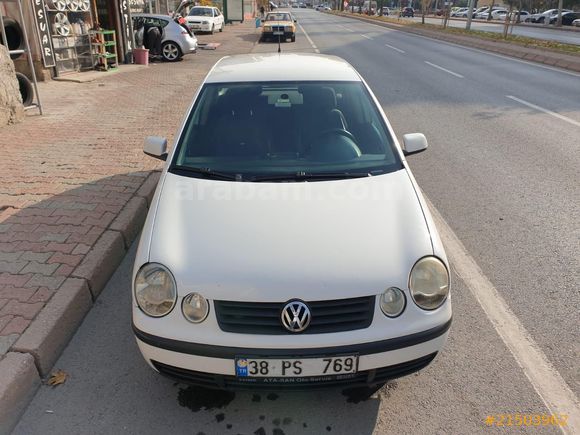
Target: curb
<point>36,351</point>
<point>564,61</point>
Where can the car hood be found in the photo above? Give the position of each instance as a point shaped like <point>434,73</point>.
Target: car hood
<point>278,241</point>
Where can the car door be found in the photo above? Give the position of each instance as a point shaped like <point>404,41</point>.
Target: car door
<point>219,18</point>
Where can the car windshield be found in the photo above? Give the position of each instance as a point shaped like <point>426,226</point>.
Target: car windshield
<point>278,17</point>
<point>285,130</point>
<point>200,12</point>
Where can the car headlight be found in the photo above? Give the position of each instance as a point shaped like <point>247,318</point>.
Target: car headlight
<point>267,28</point>
<point>195,307</point>
<point>155,290</point>
<point>393,302</point>
<point>429,283</point>
<point>288,28</point>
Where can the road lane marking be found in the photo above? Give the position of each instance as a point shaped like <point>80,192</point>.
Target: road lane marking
<point>443,69</point>
<point>345,28</point>
<point>394,48</point>
<point>541,109</point>
<point>545,379</point>
<point>365,36</point>
<point>539,65</point>
<point>316,50</point>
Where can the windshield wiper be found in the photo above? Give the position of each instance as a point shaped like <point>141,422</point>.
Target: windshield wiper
<point>305,176</point>
<point>206,172</point>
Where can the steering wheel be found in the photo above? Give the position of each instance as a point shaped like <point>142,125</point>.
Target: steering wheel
<point>334,145</point>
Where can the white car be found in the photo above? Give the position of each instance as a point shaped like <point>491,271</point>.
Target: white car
<point>205,19</point>
<point>499,14</point>
<point>576,23</point>
<point>177,41</point>
<point>288,244</point>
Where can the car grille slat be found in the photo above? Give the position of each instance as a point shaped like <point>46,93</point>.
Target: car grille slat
<point>264,317</point>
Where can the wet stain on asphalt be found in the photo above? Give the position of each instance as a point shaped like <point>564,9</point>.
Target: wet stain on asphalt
<point>286,421</point>
<point>260,431</point>
<point>220,417</point>
<point>278,431</point>
<point>197,398</point>
<point>328,428</point>
<point>276,422</point>
<point>256,398</point>
<point>229,426</point>
<point>272,396</point>
<point>262,417</point>
<point>304,425</point>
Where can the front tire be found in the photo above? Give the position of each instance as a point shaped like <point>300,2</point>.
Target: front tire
<point>293,38</point>
<point>171,51</point>
<point>212,29</point>
<point>222,27</point>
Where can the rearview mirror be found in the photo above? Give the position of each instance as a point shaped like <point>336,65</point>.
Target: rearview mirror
<point>295,20</point>
<point>156,146</point>
<point>414,143</point>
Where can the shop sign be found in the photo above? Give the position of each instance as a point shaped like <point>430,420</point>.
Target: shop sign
<point>127,24</point>
<point>43,33</point>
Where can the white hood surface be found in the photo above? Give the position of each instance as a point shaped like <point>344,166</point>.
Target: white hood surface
<point>280,241</point>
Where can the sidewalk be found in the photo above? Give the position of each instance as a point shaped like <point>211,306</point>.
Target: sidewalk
<point>74,191</point>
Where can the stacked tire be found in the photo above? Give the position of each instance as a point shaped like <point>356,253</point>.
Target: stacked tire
<point>15,41</point>
<point>14,36</point>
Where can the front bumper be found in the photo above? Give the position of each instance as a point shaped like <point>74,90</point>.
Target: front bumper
<point>270,35</point>
<point>198,27</point>
<point>213,366</point>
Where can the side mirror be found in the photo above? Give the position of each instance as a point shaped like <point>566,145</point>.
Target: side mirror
<point>156,146</point>
<point>414,143</point>
<point>295,20</point>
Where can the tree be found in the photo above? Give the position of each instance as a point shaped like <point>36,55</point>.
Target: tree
<point>425,5</point>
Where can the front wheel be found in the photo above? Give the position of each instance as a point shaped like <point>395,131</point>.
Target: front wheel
<point>293,38</point>
<point>171,51</point>
<point>222,27</point>
<point>212,29</point>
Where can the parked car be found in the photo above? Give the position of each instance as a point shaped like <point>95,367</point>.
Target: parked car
<point>408,12</point>
<point>385,11</point>
<point>459,12</point>
<point>241,279</point>
<point>279,25</point>
<point>177,40</point>
<point>205,19</point>
<point>576,23</point>
<point>478,11</point>
<point>523,16</point>
<point>567,18</point>
<point>483,15</point>
<point>499,14</point>
<point>546,15</point>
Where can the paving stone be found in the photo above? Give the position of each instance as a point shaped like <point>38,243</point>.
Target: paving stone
<point>21,294</point>
<point>51,282</point>
<point>41,268</point>
<point>6,342</point>
<point>39,257</point>
<point>22,309</point>
<point>12,266</point>
<point>16,326</point>
<point>18,383</point>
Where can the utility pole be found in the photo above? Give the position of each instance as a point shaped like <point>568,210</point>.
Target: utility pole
<point>559,20</point>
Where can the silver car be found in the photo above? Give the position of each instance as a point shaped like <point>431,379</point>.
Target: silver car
<point>177,40</point>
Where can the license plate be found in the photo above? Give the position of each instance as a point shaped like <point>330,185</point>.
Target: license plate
<point>278,33</point>
<point>295,367</point>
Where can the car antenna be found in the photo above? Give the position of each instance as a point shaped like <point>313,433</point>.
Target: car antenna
<point>279,47</point>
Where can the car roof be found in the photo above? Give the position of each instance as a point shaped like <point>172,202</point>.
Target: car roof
<point>165,17</point>
<point>273,67</point>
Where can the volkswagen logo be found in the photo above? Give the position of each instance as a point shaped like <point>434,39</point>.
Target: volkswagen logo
<point>295,316</point>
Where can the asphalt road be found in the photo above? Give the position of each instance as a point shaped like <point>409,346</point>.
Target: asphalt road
<point>504,176</point>
<point>530,31</point>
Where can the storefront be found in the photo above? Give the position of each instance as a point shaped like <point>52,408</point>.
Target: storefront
<point>68,36</point>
